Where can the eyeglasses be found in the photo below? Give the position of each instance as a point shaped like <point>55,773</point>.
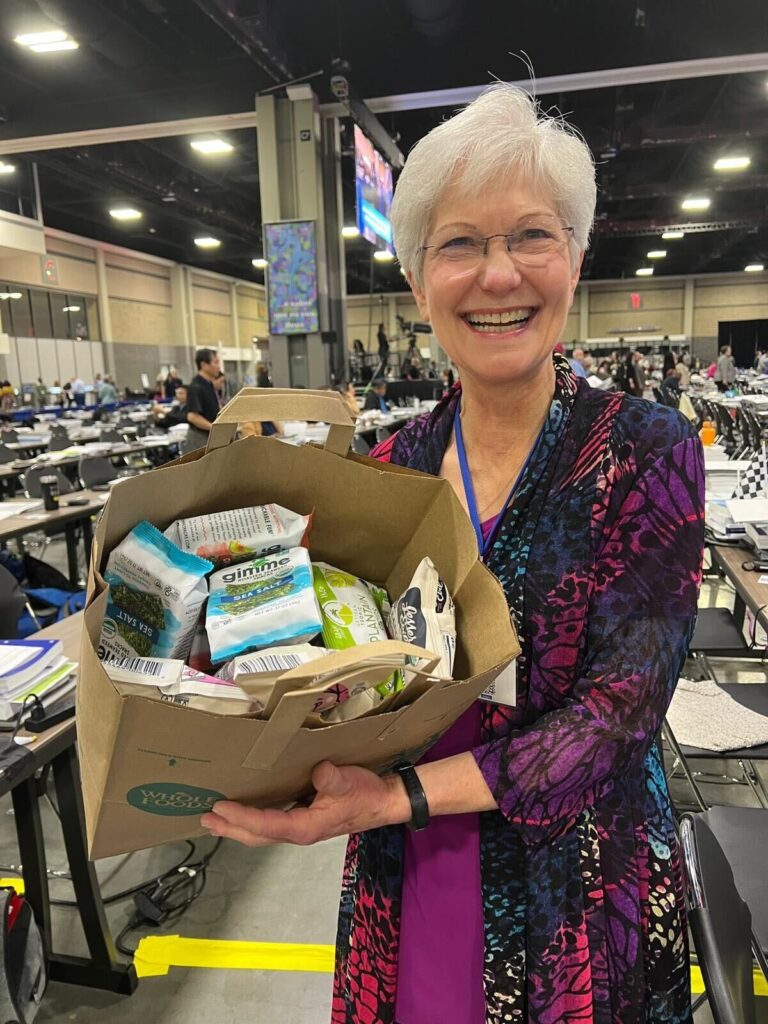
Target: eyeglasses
<point>534,242</point>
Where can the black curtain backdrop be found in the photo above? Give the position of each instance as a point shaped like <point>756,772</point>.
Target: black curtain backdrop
<point>745,337</point>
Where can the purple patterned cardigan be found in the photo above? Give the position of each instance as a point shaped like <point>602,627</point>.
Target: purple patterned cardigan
<point>600,558</point>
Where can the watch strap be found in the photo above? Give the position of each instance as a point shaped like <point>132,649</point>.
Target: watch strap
<point>416,795</point>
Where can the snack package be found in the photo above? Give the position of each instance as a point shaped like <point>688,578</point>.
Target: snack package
<point>156,591</point>
<point>424,615</point>
<point>351,615</point>
<point>173,682</point>
<point>261,603</point>
<point>225,538</point>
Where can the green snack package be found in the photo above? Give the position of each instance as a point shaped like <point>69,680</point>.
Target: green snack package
<point>351,614</point>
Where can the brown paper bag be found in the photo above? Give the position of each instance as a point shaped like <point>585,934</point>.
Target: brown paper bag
<point>150,769</point>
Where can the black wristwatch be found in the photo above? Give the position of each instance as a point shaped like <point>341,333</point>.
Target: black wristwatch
<point>417,796</point>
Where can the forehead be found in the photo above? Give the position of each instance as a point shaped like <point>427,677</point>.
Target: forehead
<point>501,202</point>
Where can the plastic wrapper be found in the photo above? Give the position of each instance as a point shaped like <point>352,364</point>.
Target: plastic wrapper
<point>424,615</point>
<point>173,682</point>
<point>261,603</point>
<point>156,591</point>
<point>225,538</point>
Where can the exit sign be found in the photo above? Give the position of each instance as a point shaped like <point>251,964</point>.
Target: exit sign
<point>635,300</point>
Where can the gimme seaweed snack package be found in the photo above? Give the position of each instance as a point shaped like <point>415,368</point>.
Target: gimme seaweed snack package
<point>150,768</point>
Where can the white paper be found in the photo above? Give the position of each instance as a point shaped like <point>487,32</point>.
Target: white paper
<point>503,690</point>
<point>748,510</point>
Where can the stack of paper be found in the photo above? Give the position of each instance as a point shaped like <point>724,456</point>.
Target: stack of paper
<point>720,521</point>
<point>32,666</point>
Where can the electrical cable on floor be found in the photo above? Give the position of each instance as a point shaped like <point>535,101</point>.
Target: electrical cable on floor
<point>155,904</point>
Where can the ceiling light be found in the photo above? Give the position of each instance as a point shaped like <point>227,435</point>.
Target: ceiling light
<point>754,268</point>
<point>207,242</point>
<point>670,236</point>
<point>47,42</point>
<point>696,203</point>
<point>212,147</point>
<point>349,231</point>
<point>259,262</point>
<point>125,213</point>
<point>731,163</point>
<point>66,44</point>
<point>644,271</point>
<point>656,254</point>
<point>9,295</point>
<point>7,168</point>
<point>70,309</point>
<point>383,255</point>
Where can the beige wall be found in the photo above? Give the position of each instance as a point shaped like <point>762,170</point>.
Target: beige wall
<point>744,299</point>
<point>610,308</point>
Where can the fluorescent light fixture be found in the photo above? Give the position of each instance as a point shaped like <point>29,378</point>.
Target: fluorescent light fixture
<point>212,147</point>
<point>754,268</point>
<point>349,231</point>
<point>259,262</point>
<point>656,254</point>
<point>70,309</point>
<point>9,295</point>
<point>7,168</point>
<point>125,213</point>
<point>671,236</point>
<point>65,44</point>
<point>46,42</point>
<point>644,272</point>
<point>696,203</point>
<point>383,256</point>
<point>731,163</point>
<point>207,242</point>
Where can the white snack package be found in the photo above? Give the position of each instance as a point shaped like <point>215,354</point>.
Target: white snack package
<point>174,683</point>
<point>425,616</point>
<point>225,538</point>
<point>261,603</point>
<point>156,591</point>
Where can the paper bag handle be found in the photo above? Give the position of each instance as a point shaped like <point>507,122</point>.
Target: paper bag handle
<point>295,706</point>
<point>281,404</point>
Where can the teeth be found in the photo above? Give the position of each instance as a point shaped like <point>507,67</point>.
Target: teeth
<point>485,320</point>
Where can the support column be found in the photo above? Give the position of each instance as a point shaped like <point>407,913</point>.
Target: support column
<point>105,316</point>
<point>688,306</point>
<point>583,311</point>
<point>291,188</point>
<point>235,330</point>
<point>189,315</point>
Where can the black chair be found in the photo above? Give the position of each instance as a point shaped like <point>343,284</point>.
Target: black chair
<point>12,602</point>
<point>360,446</point>
<point>382,434</point>
<point>7,455</point>
<point>720,923</point>
<point>31,481</point>
<point>96,471</point>
<point>718,635</point>
<point>59,442</point>
<point>9,436</point>
<point>111,436</point>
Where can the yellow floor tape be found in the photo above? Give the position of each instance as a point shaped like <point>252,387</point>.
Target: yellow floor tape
<point>759,982</point>
<point>157,953</point>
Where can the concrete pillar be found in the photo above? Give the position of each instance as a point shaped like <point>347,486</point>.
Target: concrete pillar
<point>688,306</point>
<point>291,188</point>
<point>105,316</point>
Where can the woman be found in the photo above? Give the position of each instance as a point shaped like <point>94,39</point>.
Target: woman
<point>629,378</point>
<point>547,884</point>
<point>725,369</point>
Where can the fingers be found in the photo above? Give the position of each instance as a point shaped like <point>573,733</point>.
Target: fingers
<point>260,828</point>
<point>329,780</point>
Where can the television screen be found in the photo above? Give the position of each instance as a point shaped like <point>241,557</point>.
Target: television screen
<point>373,189</point>
<point>291,277</point>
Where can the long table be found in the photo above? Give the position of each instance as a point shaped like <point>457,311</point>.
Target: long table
<point>56,748</point>
<point>750,592</point>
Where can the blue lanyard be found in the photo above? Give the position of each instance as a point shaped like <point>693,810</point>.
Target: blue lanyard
<point>469,491</point>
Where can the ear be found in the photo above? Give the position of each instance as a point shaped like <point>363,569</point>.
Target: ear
<point>575,275</point>
<point>420,296</point>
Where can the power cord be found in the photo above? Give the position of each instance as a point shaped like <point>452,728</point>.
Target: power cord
<point>168,898</point>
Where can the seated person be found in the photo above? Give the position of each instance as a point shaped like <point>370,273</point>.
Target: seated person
<point>375,399</point>
<point>172,415</point>
<point>671,381</point>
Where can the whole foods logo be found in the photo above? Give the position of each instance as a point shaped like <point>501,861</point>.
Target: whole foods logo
<point>172,799</point>
<point>340,614</point>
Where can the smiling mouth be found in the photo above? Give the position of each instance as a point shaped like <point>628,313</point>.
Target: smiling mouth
<point>501,322</point>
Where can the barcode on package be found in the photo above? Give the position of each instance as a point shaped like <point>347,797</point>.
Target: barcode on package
<point>270,663</point>
<point>142,666</point>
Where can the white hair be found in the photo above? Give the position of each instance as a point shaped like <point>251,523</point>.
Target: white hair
<point>503,131</point>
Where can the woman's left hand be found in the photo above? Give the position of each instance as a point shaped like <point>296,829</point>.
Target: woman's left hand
<point>348,799</point>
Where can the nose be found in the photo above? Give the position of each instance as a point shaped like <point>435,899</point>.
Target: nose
<point>499,272</point>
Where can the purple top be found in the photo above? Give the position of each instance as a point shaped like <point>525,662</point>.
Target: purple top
<point>440,963</point>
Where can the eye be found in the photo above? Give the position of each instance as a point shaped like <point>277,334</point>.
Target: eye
<point>460,242</point>
<point>535,234</point>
